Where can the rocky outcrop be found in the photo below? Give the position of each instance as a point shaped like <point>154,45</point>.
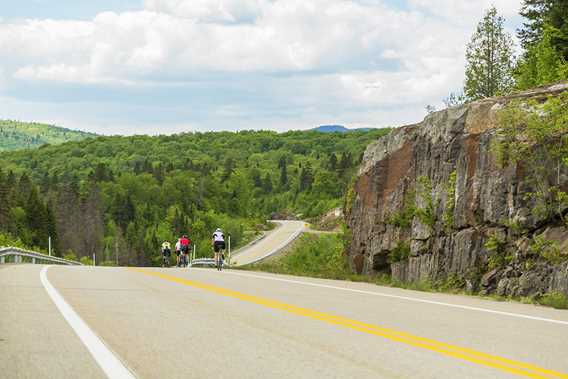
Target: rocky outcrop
<point>446,169</point>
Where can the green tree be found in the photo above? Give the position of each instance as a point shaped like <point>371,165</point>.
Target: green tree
<point>267,183</point>
<point>489,55</point>
<point>540,15</point>
<point>306,178</point>
<point>544,37</point>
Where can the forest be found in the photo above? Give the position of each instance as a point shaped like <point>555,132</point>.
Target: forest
<point>120,197</point>
<point>15,135</point>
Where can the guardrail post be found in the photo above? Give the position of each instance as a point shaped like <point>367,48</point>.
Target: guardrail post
<point>33,261</point>
<point>17,259</point>
<point>2,260</point>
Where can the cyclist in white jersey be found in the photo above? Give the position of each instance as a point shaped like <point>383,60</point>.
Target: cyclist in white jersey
<point>218,242</point>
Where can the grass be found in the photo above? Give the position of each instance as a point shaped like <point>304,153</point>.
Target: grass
<point>555,300</point>
<point>321,256</point>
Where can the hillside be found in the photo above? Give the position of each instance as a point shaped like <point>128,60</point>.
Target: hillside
<point>129,193</point>
<point>338,129</point>
<point>15,135</point>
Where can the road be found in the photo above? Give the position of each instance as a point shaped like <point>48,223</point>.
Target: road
<point>281,236</point>
<point>200,323</point>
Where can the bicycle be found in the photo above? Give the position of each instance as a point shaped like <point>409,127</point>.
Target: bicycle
<point>166,258</point>
<point>165,261</point>
<point>183,259</point>
<point>219,259</point>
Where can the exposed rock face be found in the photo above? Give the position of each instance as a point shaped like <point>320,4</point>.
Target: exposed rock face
<point>476,202</point>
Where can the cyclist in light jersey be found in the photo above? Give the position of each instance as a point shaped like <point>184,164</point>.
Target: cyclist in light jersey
<point>218,242</point>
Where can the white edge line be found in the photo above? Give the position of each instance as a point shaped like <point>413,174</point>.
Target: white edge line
<point>477,309</point>
<point>105,358</point>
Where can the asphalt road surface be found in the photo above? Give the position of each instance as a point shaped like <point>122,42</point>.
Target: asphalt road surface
<point>91,322</point>
<point>276,239</point>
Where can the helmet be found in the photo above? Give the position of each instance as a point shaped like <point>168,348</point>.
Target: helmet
<point>218,230</point>
<point>184,236</point>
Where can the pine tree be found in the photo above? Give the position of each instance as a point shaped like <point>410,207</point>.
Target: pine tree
<point>306,178</point>
<point>544,36</point>
<point>489,55</point>
<point>534,11</point>
<point>543,14</point>
<point>332,163</point>
<point>283,177</point>
<point>4,202</point>
<point>267,183</point>
<point>228,169</point>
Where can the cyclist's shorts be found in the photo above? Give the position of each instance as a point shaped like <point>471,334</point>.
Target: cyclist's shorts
<point>218,246</point>
<point>178,252</point>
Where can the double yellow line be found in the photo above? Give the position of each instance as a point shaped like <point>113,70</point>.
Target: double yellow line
<point>496,362</point>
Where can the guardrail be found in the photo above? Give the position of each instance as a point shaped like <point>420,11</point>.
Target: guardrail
<point>204,262</point>
<point>20,255</point>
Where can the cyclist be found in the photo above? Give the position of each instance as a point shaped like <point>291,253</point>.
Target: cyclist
<point>184,247</point>
<point>166,254</point>
<point>218,242</point>
<point>178,251</point>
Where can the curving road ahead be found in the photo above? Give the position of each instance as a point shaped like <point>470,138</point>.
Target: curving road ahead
<point>200,323</point>
<point>275,240</point>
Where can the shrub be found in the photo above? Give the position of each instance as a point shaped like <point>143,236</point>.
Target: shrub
<point>554,299</point>
<point>400,252</point>
<point>312,255</point>
<point>448,217</point>
<point>427,213</point>
<point>547,249</point>
<point>403,217</point>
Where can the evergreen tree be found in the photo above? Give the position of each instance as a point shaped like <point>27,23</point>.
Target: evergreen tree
<point>489,55</point>
<point>267,183</point>
<point>332,163</point>
<point>544,36</point>
<point>283,177</point>
<point>228,169</point>
<point>4,202</point>
<point>306,178</point>
<point>256,178</point>
<point>540,15</point>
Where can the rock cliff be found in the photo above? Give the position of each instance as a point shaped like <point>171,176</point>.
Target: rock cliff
<point>431,201</point>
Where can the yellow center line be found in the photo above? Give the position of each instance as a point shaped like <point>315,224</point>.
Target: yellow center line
<point>484,359</point>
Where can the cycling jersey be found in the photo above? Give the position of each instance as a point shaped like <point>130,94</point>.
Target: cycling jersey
<point>218,237</point>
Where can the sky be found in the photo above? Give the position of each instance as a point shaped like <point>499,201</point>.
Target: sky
<point>170,66</point>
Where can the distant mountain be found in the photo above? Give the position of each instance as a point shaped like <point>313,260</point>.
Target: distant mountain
<point>338,129</point>
<point>15,135</point>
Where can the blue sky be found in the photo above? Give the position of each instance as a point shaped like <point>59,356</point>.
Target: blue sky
<point>166,66</point>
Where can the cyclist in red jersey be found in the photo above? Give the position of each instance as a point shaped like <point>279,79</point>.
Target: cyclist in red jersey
<point>184,248</point>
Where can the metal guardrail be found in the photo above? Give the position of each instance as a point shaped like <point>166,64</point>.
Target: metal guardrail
<point>35,257</point>
<point>205,262</point>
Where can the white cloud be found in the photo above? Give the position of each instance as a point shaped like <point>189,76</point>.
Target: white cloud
<point>230,11</point>
<point>313,54</point>
<point>458,11</point>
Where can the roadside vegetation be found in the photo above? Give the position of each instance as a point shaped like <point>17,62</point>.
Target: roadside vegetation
<point>322,256</point>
